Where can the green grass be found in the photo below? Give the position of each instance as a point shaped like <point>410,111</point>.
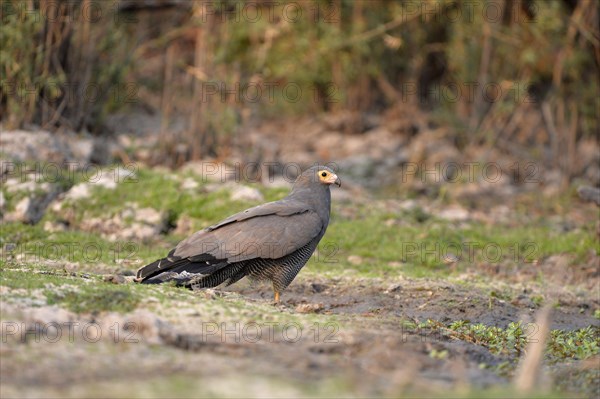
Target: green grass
<point>418,241</point>
<point>89,293</point>
<point>32,278</point>
<point>102,298</point>
<point>160,191</point>
<point>75,246</point>
<point>513,340</point>
<point>579,344</point>
<point>78,292</point>
<point>424,246</point>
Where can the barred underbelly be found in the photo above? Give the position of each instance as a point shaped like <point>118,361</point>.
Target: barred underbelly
<point>283,270</point>
<point>218,277</point>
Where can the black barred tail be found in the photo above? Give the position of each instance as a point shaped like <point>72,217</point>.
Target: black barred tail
<point>145,274</point>
<point>183,270</point>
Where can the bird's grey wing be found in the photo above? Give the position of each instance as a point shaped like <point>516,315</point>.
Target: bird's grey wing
<point>271,231</point>
<point>283,207</point>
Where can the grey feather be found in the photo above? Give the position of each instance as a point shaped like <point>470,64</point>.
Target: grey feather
<point>272,241</point>
<point>269,235</point>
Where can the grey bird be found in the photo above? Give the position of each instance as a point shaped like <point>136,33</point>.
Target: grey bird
<point>272,241</point>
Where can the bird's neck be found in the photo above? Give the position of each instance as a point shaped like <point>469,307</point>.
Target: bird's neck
<point>319,200</point>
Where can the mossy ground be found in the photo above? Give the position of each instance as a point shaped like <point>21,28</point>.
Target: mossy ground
<point>378,268</point>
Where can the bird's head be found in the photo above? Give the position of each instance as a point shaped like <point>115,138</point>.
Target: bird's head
<point>318,176</point>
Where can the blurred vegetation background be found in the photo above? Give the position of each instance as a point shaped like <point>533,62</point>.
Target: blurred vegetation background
<point>520,75</point>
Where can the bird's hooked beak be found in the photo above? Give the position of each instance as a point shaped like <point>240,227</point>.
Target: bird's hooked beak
<point>334,179</point>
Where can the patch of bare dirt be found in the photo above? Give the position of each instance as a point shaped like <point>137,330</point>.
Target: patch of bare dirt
<point>428,299</point>
<point>357,338</point>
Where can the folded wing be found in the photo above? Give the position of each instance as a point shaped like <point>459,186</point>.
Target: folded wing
<point>268,231</point>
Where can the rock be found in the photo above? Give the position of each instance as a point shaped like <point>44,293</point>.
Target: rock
<point>553,181</point>
<point>588,160</point>
<point>107,179</point>
<point>137,231</point>
<point>130,224</point>
<point>57,206</point>
<point>355,259</point>
<point>126,272</point>
<point>189,184</point>
<point>105,150</point>
<point>245,193</point>
<point>210,293</point>
<point>31,209</point>
<point>408,205</point>
<point>71,267</point>
<point>45,147</point>
<point>393,288</point>
<point>109,182</point>
<point>114,278</point>
<point>146,325</point>
<point>82,148</point>
<point>450,258</point>
<point>125,141</point>
<point>184,226</point>
<point>110,228</point>
<point>79,191</point>
<point>150,216</point>
<point>30,186</point>
<point>592,173</point>
<point>137,124</point>
<point>359,167</point>
<point>309,307</point>
<point>122,174</point>
<point>129,213</point>
<point>54,227</point>
<point>143,154</point>
<point>2,201</point>
<point>44,315</point>
<point>316,287</point>
<point>139,326</point>
<point>212,187</point>
<point>454,214</point>
<point>589,194</point>
<point>21,146</point>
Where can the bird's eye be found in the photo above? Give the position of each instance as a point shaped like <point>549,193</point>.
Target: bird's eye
<point>323,174</point>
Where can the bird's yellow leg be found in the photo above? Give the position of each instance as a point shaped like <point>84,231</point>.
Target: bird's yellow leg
<point>276,295</point>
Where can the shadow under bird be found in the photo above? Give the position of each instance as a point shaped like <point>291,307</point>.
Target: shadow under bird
<point>272,241</point>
